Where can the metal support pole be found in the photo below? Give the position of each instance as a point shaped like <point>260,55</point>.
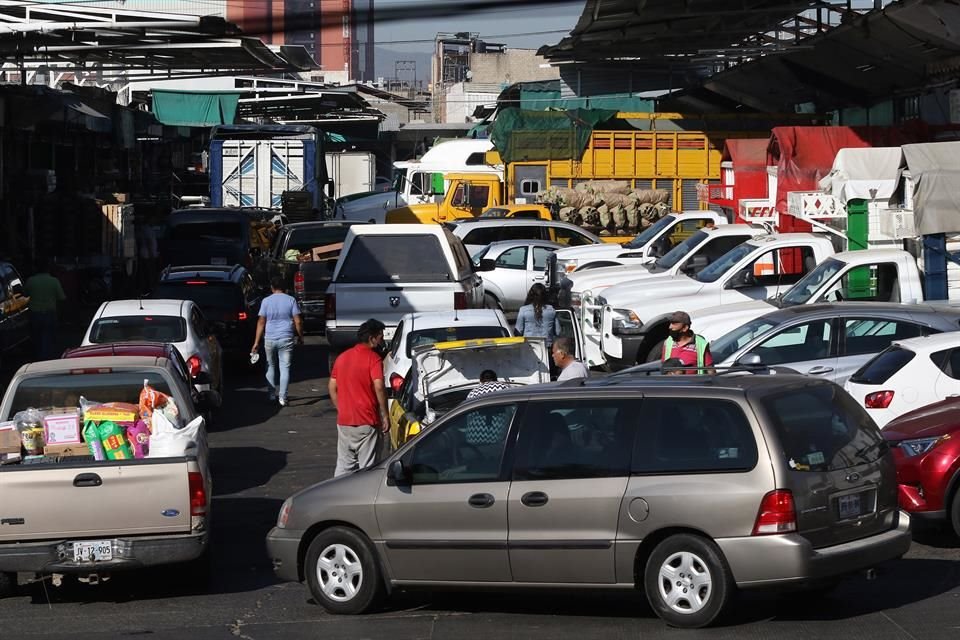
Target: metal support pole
<point>935,266</point>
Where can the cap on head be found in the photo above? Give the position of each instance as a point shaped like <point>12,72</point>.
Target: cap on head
<point>681,317</point>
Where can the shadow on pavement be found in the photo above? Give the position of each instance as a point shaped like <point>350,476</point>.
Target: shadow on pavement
<point>236,469</point>
<point>939,536</point>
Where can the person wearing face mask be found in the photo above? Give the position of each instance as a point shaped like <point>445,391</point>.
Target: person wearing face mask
<point>684,345</point>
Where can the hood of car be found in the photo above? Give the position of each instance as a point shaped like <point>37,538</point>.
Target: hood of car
<point>714,324</point>
<point>633,294</point>
<point>590,251</point>
<point>451,365</point>
<point>603,277</point>
<point>938,419</point>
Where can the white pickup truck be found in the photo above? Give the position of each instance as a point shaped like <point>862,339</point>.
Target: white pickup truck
<point>634,317</point>
<point>75,515</point>
<point>688,258</point>
<point>874,275</point>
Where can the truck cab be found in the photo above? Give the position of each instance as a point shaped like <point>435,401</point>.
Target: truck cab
<point>469,196</point>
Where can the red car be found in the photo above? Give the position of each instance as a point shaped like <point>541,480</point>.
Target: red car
<point>926,447</point>
<point>143,349</point>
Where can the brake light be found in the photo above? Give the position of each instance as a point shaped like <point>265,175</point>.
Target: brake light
<point>198,494</point>
<point>459,300</point>
<point>298,286</point>
<point>396,382</point>
<point>777,514</point>
<point>193,363</point>
<point>83,372</point>
<point>878,400</point>
<point>242,316</point>
<point>196,282</point>
<point>330,306</point>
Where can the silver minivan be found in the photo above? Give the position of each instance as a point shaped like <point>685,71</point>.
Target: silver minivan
<point>685,487</point>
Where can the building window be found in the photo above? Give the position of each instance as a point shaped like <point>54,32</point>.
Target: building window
<point>907,108</point>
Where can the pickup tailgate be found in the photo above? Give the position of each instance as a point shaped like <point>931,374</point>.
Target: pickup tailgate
<point>316,278</point>
<point>95,500</point>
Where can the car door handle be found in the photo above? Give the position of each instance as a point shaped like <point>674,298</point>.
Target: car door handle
<point>87,480</point>
<point>817,371</point>
<point>534,499</point>
<point>481,500</point>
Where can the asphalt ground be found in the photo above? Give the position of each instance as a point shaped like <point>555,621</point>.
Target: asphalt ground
<point>262,453</point>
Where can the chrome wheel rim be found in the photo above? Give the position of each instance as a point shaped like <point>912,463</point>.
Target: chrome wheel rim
<point>685,583</point>
<point>339,573</point>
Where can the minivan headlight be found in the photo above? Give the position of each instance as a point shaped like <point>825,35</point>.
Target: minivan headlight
<point>626,322</point>
<point>920,446</point>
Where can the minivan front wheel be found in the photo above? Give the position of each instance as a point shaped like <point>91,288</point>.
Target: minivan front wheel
<point>342,571</point>
<point>687,581</point>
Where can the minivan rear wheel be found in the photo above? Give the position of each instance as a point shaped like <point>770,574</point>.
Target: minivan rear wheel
<point>343,572</point>
<point>687,581</point>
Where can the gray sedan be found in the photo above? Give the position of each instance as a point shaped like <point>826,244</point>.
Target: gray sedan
<point>510,268</point>
<point>831,340</point>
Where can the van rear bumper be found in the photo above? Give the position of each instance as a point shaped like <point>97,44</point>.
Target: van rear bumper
<point>128,553</point>
<point>784,559</point>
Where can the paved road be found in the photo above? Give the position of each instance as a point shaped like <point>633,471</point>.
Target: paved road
<point>261,454</point>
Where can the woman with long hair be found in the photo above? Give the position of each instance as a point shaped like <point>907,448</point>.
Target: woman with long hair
<point>536,318</point>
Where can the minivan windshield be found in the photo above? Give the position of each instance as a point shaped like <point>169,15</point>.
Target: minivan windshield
<point>821,428</point>
<point>680,251</point>
<point>811,283</point>
<point>728,344</point>
<point>725,262</point>
<point>650,233</point>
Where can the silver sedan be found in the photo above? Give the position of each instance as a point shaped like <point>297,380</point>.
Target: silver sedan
<point>510,268</point>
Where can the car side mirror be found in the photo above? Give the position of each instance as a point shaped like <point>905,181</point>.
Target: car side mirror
<point>487,264</point>
<point>750,360</point>
<point>398,473</point>
<point>742,280</point>
<point>208,400</point>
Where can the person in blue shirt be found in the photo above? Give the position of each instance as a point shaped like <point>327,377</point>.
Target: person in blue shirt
<point>278,324</point>
<point>536,318</point>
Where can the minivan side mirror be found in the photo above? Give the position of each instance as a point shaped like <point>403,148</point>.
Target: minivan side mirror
<point>398,473</point>
<point>487,264</point>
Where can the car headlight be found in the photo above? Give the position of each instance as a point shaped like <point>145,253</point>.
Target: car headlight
<point>284,513</point>
<point>566,266</point>
<point>920,446</point>
<point>626,322</point>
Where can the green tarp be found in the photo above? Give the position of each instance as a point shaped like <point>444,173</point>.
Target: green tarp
<point>528,136</point>
<point>195,108</point>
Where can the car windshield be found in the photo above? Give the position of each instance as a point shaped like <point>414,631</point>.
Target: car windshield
<point>207,295</point>
<point>726,345</point>
<point>139,328</point>
<point>725,262</point>
<point>810,284</point>
<point>450,334</point>
<point>494,212</point>
<point>882,367</point>
<point>301,240</point>
<point>680,251</point>
<point>821,428</point>
<point>650,233</point>
<point>63,390</point>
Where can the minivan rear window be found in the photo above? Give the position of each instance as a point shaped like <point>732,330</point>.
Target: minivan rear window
<point>207,295</point>
<point>821,428</point>
<point>193,231</point>
<point>139,328</point>
<point>392,258</point>
<point>882,367</point>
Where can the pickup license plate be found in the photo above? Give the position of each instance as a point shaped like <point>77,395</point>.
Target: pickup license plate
<point>92,551</point>
<point>218,261</point>
<point>849,506</point>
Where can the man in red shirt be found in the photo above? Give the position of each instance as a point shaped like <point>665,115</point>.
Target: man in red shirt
<point>360,398</point>
<point>684,345</point>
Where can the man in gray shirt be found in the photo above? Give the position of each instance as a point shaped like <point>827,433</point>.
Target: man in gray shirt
<point>564,357</point>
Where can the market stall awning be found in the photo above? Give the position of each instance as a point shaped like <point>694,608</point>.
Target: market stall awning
<point>195,108</point>
<point>935,169</point>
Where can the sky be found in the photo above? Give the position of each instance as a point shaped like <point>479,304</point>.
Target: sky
<point>490,25</point>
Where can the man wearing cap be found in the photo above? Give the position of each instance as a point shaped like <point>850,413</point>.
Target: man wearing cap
<point>684,345</point>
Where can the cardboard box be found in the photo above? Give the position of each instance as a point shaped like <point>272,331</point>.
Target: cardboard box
<point>326,252</point>
<point>10,441</point>
<point>66,450</point>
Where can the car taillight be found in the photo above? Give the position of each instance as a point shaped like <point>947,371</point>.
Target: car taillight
<point>194,364</point>
<point>330,306</point>
<point>459,300</point>
<point>777,514</point>
<point>878,400</point>
<point>198,494</point>
<point>396,382</point>
<point>298,286</point>
<point>242,316</point>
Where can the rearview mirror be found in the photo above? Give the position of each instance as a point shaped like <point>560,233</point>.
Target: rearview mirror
<point>487,264</point>
<point>398,473</point>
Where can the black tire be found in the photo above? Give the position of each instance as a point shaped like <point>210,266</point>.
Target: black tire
<point>342,548</point>
<point>8,585</point>
<point>654,354</point>
<point>955,512</point>
<point>490,302</point>
<point>700,570</point>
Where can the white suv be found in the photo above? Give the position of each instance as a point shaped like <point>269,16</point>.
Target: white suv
<point>388,270</point>
<point>178,322</point>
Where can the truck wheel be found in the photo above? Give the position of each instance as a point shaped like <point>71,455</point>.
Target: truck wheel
<point>653,355</point>
<point>8,585</point>
<point>687,581</point>
<point>490,302</point>
<point>343,572</point>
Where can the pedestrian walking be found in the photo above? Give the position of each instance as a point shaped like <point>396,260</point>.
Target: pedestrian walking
<point>683,344</point>
<point>358,394</point>
<point>280,327</point>
<point>564,357</point>
<point>536,318</point>
<point>46,294</point>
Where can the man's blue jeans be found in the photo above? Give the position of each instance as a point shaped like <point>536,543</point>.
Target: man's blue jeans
<point>279,354</point>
